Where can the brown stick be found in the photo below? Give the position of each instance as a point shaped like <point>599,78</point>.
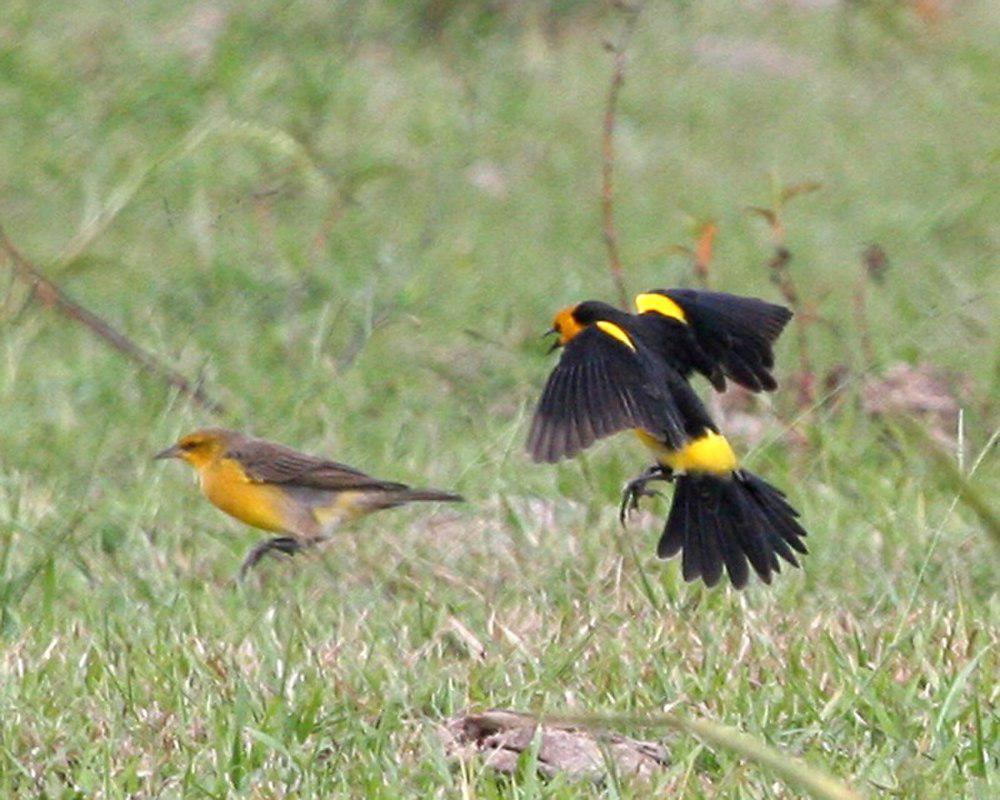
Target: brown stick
<point>861,320</point>
<point>51,295</point>
<point>608,151</point>
<point>874,264</point>
<point>780,273</point>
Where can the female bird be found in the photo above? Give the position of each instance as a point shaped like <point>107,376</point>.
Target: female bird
<point>272,487</point>
<point>621,371</point>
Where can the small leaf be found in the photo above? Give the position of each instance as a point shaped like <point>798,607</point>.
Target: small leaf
<point>706,239</point>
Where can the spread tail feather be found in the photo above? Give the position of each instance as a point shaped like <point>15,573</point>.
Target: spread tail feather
<point>728,521</point>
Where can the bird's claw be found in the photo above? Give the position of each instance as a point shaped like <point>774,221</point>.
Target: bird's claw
<point>637,488</point>
<point>282,544</point>
<point>630,499</point>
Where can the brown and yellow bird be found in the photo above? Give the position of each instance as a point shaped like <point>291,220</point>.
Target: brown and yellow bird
<point>622,371</point>
<point>275,488</point>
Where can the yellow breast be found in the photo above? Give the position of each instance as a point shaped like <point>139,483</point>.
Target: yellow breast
<point>261,505</point>
<point>708,453</point>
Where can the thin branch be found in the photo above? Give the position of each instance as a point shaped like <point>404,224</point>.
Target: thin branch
<point>782,276</point>
<point>51,295</point>
<point>608,148</point>
<point>792,770</point>
<point>874,263</point>
<point>861,320</point>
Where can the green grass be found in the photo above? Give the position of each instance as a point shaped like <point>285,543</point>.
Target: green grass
<point>353,232</point>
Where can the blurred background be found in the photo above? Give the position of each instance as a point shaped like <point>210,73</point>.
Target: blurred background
<point>349,224</point>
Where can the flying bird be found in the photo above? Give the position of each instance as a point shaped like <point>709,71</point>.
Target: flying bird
<point>621,371</point>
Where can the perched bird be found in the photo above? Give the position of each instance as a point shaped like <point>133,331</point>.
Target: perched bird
<point>620,371</point>
<point>272,487</point>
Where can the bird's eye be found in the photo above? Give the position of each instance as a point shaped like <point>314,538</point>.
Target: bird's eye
<point>187,445</point>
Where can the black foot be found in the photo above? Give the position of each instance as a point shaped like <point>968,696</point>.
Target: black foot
<point>636,488</point>
<point>283,544</point>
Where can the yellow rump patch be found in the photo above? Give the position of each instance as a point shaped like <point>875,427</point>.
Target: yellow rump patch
<point>709,453</point>
<point>342,506</point>
<point>613,330</point>
<point>661,304</point>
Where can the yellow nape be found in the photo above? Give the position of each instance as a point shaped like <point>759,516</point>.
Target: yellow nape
<point>228,487</point>
<point>660,304</point>
<point>708,453</point>
<point>614,330</point>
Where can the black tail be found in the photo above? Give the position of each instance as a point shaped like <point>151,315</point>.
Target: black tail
<point>727,521</point>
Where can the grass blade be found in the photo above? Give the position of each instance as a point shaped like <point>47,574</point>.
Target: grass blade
<point>793,771</point>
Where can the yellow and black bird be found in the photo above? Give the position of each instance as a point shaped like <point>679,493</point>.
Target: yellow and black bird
<point>622,371</point>
<point>275,488</point>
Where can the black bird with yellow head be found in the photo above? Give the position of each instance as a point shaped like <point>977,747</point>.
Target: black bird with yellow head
<point>621,371</point>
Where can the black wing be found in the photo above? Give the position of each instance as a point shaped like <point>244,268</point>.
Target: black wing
<point>268,462</point>
<point>735,335</point>
<point>599,387</point>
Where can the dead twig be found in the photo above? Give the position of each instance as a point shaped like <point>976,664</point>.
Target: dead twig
<point>875,263</point>
<point>52,296</point>
<point>778,266</point>
<point>782,276</point>
<point>608,147</point>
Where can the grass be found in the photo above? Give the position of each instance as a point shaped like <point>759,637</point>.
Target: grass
<point>353,232</point>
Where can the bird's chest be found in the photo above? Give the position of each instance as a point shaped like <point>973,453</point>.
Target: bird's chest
<point>257,504</point>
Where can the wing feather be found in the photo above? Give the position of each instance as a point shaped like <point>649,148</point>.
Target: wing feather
<point>600,386</point>
<point>732,336</point>
<point>585,410</point>
<point>267,462</point>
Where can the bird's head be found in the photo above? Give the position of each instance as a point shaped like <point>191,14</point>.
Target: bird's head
<point>201,447</point>
<point>572,320</point>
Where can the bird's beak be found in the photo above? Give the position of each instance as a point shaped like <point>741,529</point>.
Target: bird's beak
<point>556,344</point>
<point>171,452</point>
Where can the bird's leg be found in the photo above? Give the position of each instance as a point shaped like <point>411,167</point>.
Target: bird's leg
<point>283,544</point>
<point>636,488</point>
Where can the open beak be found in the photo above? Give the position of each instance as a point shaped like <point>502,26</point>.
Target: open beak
<point>171,452</point>
<point>556,344</point>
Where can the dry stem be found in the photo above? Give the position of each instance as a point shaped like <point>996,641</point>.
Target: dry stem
<point>51,295</point>
<point>608,150</point>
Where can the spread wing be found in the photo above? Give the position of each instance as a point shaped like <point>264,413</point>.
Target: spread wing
<point>734,334</point>
<point>268,462</point>
<point>599,387</point>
